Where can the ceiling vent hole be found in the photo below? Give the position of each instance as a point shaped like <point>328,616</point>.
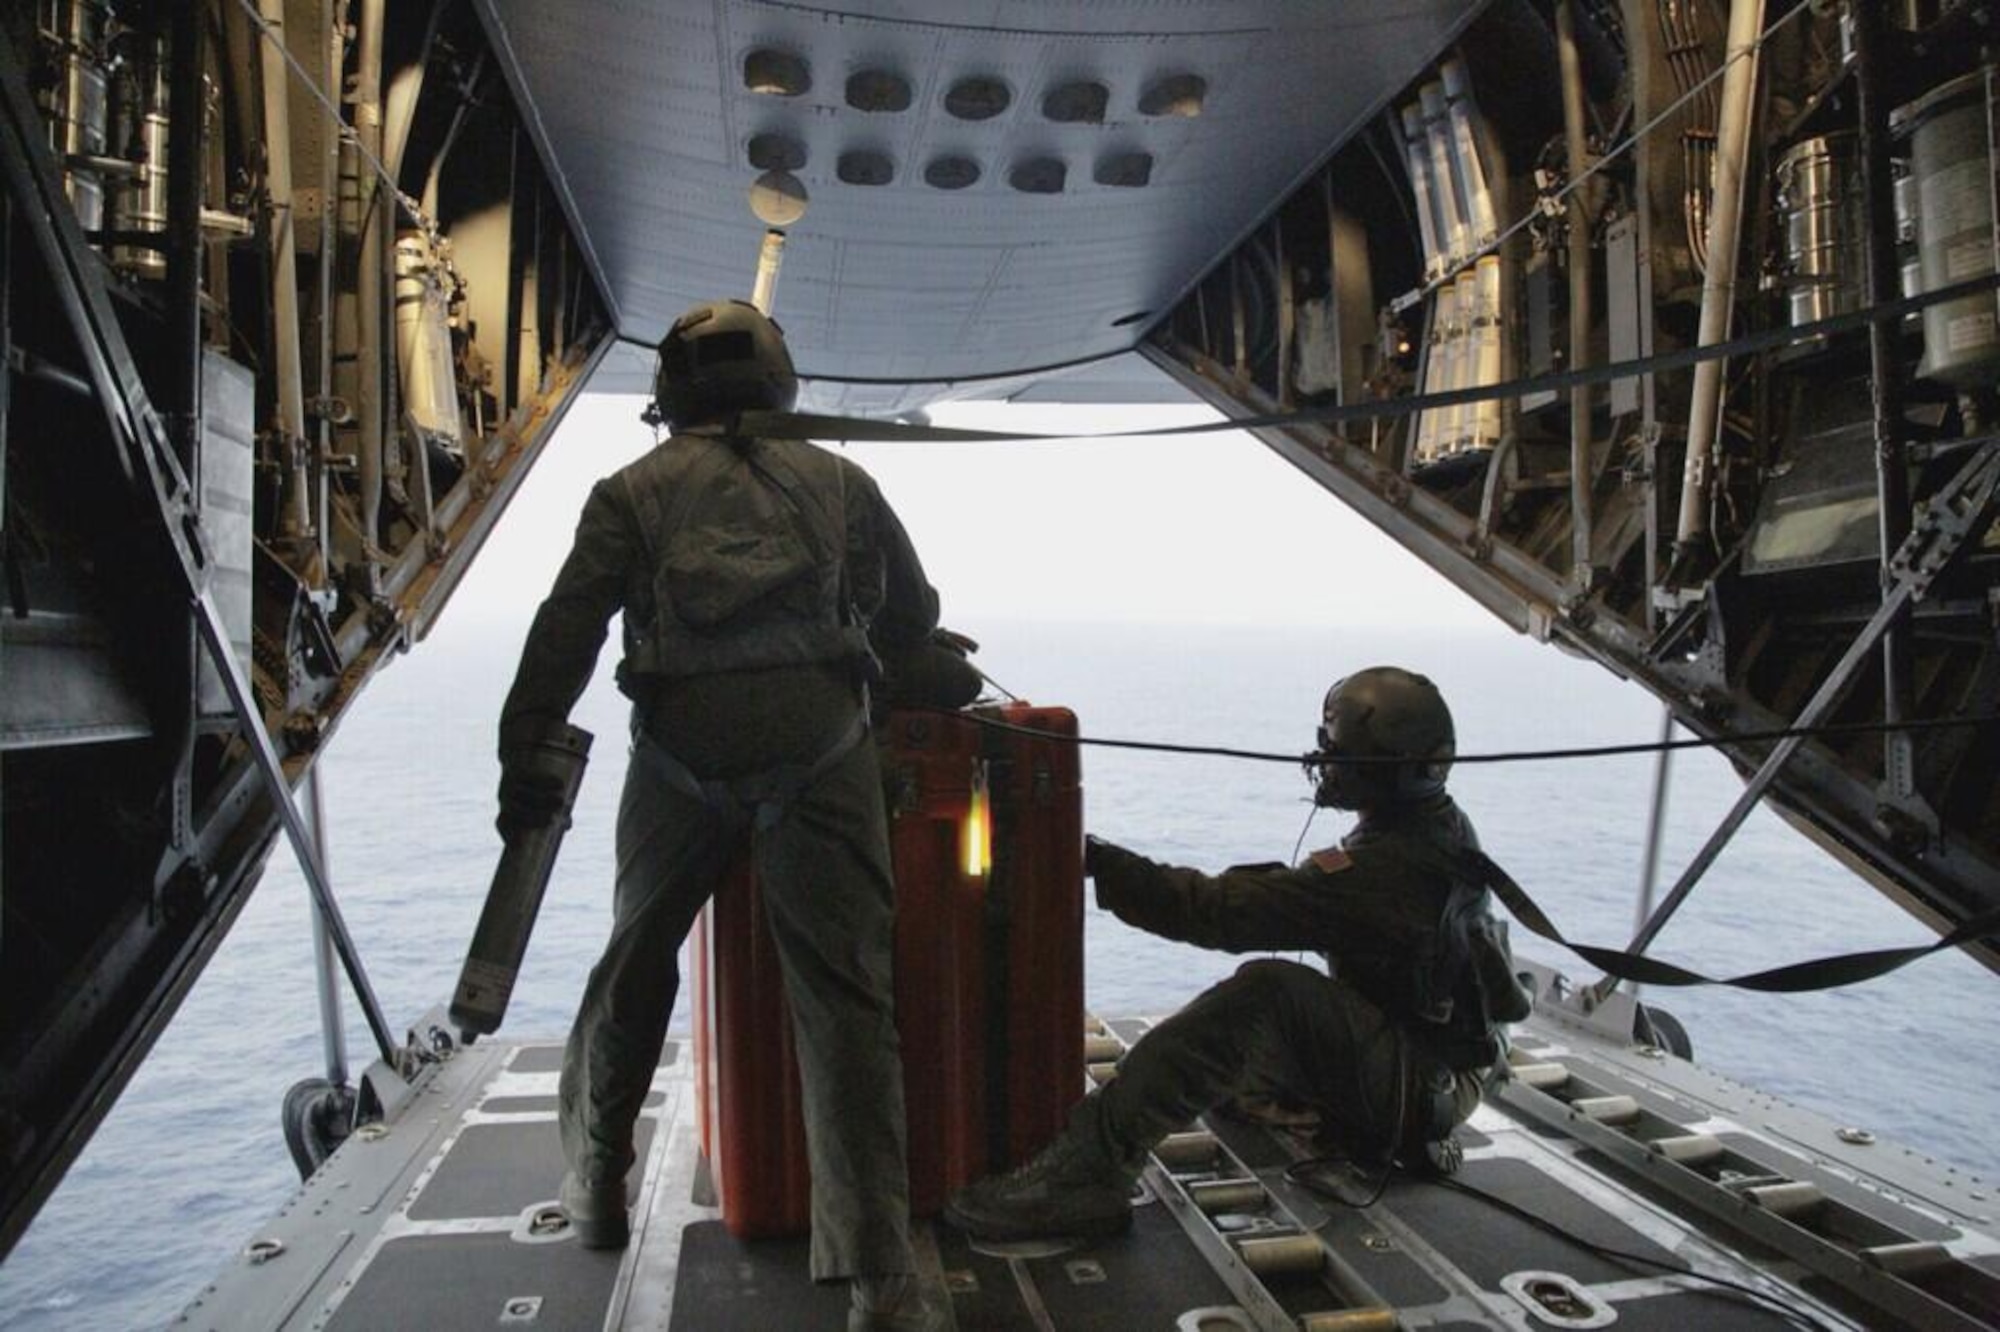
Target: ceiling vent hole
<point>776,152</point>
<point>1039,175</point>
<point>878,91</point>
<point>865,167</point>
<point>1126,321</point>
<point>1080,103</point>
<point>978,98</point>
<point>1175,95</point>
<point>776,73</point>
<point>1125,170</point>
<point>952,173</point>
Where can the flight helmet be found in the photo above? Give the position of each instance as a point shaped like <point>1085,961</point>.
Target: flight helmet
<point>721,358</point>
<point>1382,713</point>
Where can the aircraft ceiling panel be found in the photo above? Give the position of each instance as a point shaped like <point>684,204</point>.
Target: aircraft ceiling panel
<point>648,113</point>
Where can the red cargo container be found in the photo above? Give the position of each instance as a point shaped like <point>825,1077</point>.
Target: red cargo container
<point>989,975</point>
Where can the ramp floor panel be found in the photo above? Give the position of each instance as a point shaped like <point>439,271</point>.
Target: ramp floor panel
<point>1147,1277</point>
<point>726,1284</point>
<point>1699,1308</point>
<point>442,1283</point>
<point>546,1105</point>
<point>502,1169</point>
<point>537,1059</point>
<point>1487,1243</point>
<point>548,1058</point>
<point>1389,1271</point>
<point>424,1222</point>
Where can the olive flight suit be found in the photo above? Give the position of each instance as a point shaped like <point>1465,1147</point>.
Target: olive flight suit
<point>752,575</point>
<point>1389,1045</point>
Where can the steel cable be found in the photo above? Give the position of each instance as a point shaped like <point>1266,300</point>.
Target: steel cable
<point>1823,731</point>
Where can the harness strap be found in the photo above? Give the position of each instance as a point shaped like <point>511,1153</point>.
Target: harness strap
<point>761,799</point>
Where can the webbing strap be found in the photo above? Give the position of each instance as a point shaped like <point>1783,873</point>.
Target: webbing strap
<point>1823,973</point>
<point>762,798</point>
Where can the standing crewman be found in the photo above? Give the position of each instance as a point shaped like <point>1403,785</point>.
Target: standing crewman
<point>753,575</point>
<point>1390,1045</point>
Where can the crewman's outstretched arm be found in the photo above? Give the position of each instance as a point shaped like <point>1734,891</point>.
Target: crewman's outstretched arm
<point>1251,909</point>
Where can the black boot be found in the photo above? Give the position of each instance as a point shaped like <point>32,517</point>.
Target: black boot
<point>893,1303</point>
<point>596,1212</point>
<point>1076,1186</point>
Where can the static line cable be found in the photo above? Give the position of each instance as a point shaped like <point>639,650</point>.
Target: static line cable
<point>1625,145</point>
<point>345,132</point>
<point>1828,729</point>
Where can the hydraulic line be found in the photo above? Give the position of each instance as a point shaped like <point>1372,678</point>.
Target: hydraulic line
<point>1885,377</point>
<point>295,517</point>
<point>1718,290</point>
<point>1578,149</point>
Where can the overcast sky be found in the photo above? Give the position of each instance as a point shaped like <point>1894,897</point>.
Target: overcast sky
<point>1208,529</point>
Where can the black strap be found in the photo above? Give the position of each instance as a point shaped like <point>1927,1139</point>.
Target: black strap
<point>761,799</point>
<point>1822,973</point>
<point>1000,752</point>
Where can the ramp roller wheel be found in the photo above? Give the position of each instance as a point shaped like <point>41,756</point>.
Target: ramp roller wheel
<point>1606,1109</point>
<point>1542,1077</point>
<point>1350,1320</point>
<point>1214,1196</point>
<point>1197,1148</point>
<point>1283,1255</point>
<point>1100,1049</point>
<point>1101,1073</point>
<point>1914,1259</point>
<point>1790,1200</point>
<point>1692,1149</point>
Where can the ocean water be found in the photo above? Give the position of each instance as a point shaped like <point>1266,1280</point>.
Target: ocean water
<point>191,1160</point>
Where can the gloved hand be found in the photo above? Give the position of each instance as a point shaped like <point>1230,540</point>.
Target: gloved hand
<point>1092,847</point>
<point>529,798</point>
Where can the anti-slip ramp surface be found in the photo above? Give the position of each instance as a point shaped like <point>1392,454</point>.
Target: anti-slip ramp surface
<point>442,1218</point>
<point>1145,1279</point>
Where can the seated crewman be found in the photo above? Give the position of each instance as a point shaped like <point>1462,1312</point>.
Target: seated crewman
<point>1390,1045</point>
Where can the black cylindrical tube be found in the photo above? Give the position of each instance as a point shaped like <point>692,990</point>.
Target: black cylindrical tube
<point>515,898</point>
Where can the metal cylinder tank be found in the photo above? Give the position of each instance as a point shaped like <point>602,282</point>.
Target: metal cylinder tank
<point>140,120</point>
<point>76,98</point>
<point>1951,165</point>
<point>1820,205</point>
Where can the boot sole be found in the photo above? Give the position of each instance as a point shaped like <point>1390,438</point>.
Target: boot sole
<point>603,1233</point>
<point>1103,1227</point>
